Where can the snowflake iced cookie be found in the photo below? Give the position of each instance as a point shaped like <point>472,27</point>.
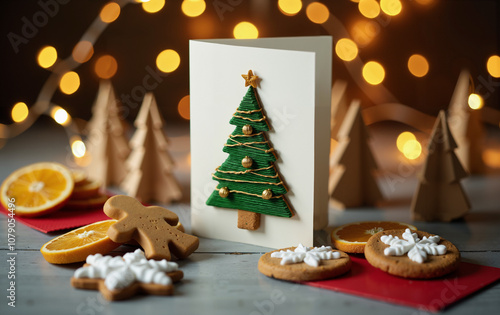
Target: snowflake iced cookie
<point>119,278</point>
<point>304,263</point>
<point>412,254</point>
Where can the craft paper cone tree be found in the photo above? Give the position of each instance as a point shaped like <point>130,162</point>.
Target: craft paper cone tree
<point>352,183</point>
<point>439,195</point>
<point>150,165</point>
<point>248,179</point>
<point>339,107</point>
<point>107,143</point>
<point>465,124</point>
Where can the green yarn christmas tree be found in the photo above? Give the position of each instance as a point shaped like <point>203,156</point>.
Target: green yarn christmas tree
<point>248,179</point>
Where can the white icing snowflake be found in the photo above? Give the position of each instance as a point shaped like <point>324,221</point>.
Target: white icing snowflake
<point>120,272</point>
<point>417,248</point>
<point>311,256</point>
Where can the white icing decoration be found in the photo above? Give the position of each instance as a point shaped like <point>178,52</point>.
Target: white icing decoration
<point>311,256</point>
<point>417,248</point>
<point>120,272</point>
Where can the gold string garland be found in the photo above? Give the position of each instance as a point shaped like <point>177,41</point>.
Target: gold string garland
<point>246,181</point>
<point>224,189</point>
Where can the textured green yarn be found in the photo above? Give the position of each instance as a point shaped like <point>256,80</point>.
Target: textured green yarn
<point>263,157</point>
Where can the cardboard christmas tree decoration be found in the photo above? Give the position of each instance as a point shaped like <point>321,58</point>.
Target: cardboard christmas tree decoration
<point>439,195</point>
<point>248,179</point>
<point>466,126</point>
<point>107,143</point>
<point>339,107</point>
<point>352,182</point>
<point>150,166</point>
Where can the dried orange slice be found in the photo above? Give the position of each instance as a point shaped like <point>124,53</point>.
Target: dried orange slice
<point>38,188</point>
<point>76,245</point>
<point>352,237</point>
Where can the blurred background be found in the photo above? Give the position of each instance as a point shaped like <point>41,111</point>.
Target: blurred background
<point>388,51</point>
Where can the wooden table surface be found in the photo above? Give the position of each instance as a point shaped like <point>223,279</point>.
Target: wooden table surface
<point>221,277</point>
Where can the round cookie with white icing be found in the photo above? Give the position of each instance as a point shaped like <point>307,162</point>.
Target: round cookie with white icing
<point>304,263</point>
<point>412,254</point>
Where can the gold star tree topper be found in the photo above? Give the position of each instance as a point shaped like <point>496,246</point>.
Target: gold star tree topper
<point>250,79</point>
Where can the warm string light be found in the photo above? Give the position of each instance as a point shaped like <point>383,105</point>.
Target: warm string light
<point>110,12</point>
<point>153,6</point>
<point>245,30</point>
<point>346,49</point>
<point>183,107</point>
<point>418,65</point>
<point>373,72</point>
<point>408,144</point>
<point>391,7</point>
<point>475,101</point>
<point>60,115</point>
<point>19,112</point>
<point>193,8</point>
<point>47,57</point>
<point>317,12</point>
<point>493,66</point>
<point>369,8</point>
<point>106,67</point>
<point>290,7</point>
<point>69,83</point>
<point>168,60</point>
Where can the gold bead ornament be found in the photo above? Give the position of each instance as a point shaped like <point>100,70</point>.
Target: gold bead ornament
<point>224,192</point>
<point>247,162</point>
<point>267,194</point>
<point>247,130</point>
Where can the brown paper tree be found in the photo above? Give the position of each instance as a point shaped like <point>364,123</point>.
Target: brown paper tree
<point>150,166</point>
<point>107,143</point>
<point>439,195</point>
<point>465,124</point>
<point>339,107</point>
<point>352,182</point>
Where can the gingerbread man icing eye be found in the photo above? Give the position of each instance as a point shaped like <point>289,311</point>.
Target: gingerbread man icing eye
<point>152,227</point>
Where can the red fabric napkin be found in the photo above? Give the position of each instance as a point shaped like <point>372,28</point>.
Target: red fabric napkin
<point>61,220</point>
<point>428,295</point>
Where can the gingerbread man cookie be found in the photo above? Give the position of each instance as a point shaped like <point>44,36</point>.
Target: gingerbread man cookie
<point>304,263</point>
<point>152,227</point>
<point>412,254</point>
<point>118,278</point>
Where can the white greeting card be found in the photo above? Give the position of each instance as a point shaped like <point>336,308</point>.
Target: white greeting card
<point>294,88</point>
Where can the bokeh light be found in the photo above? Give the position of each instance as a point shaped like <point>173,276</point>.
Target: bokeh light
<point>364,31</point>
<point>70,82</point>
<point>19,112</point>
<point>373,72</point>
<point>60,115</point>
<point>78,147</point>
<point>183,107</point>
<point>47,57</point>
<point>168,60</point>
<point>110,12</point>
<point>346,49</point>
<point>491,157</point>
<point>290,7</point>
<point>369,8</point>
<point>245,30</point>
<point>106,67</point>
<point>412,149</point>
<point>83,51</point>
<point>153,6</point>
<point>418,65</point>
<point>317,12</point>
<point>493,66</point>
<point>403,138</point>
<point>193,8</point>
<point>391,7</point>
<point>475,101</point>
